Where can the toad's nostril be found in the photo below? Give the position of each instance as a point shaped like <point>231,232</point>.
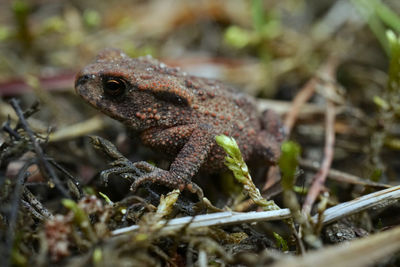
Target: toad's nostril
<point>82,79</point>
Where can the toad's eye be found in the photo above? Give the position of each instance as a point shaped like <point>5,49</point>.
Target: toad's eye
<point>114,86</point>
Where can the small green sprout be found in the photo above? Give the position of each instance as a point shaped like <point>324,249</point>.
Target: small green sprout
<point>54,24</point>
<point>280,242</point>
<point>92,18</point>
<point>288,163</point>
<point>80,218</point>
<point>5,33</point>
<point>381,103</point>
<point>234,161</point>
<point>166,203</point>
<point>378,16</point>
<point>106,198</point>
<point>238,37</point>
<point>394,68</point>
<point>97,256</point>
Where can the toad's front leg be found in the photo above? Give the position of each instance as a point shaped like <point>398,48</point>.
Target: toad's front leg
<point>195,141</point>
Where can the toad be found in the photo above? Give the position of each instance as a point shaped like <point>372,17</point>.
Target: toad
<point>178,114</point>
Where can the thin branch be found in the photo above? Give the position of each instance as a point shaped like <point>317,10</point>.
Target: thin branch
<point>327,75</point>
<point>387,196</point>
<point>283,107</point>
<point>78,129</point>
<point>69,176</point>
<point>320,177</point>
<point>301,98</point>
<point>340,176</point>
<point>218,218</point>
<point>382,197</point>
<point>32,211</point>
<point>360,252</point>
<point>307,91</point>
<point>13,211</point>
<point>35,204</point>
<point>7,128</point>
<point>43,163</point>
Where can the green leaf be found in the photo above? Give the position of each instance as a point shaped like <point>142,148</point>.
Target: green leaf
<point>288,163</point>
<point>367,10</point>
<point>257,14</point>
<point>237,37</point>
<point>234,161</point>
<point>79,215</point>
<point>388,17</point>
<point>394,67</point>
<point>280,242</point>
<point>106,198</point>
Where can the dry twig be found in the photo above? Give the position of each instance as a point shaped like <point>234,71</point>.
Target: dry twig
<point>44,165</point>
<point>340,176</point>
<point>226,218</point>
<point>13,211</point>
<point>306,92</point>
<point>301,98</point>
<point>360,252</point>
<point>320,177</point>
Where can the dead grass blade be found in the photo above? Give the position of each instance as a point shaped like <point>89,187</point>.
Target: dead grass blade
<point>361,252</point>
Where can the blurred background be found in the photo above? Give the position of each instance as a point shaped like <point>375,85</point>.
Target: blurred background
<point>267,48</point>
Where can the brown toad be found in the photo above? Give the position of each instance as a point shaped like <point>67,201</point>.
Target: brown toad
<point>178,114</point>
